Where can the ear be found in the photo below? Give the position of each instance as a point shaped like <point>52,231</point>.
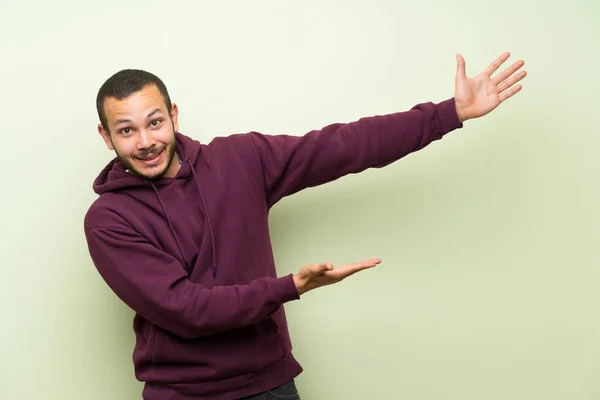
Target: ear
<point>174,117</point>
<point>106,136</point>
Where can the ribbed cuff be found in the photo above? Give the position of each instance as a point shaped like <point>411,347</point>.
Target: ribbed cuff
<point>285,289</point>
<point>446,116</point>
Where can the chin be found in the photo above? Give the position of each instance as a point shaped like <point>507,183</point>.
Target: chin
<point>153,173</point>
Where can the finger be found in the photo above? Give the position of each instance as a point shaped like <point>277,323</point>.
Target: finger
<point>461,71</point>
<point>508,72</point>
<point>362,264</point>
<point>510,82</point>
<point>496,64</point>
<point>509,93</point>
<point>323,267</point>
<point>350,269</point>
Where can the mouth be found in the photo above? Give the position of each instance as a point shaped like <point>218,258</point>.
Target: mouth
<point>152,159</point>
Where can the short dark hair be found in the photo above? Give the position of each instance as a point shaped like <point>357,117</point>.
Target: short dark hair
<point>124,83</point>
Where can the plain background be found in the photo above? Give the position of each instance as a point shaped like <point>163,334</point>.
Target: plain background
<point>489,238</point>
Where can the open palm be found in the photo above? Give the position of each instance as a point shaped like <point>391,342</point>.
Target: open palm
<point>477,96</point>
<point>313,276</point>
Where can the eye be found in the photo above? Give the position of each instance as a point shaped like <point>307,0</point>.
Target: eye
<point>125,131</point>
<point>155,123</point>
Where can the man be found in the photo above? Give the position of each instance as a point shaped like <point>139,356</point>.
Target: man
<point>180,229</point>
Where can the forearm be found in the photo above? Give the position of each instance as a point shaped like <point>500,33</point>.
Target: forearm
<point>291,164</point>
<point>156,286</point>
<point>190,310</point>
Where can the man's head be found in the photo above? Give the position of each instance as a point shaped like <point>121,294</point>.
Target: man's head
<point>138,122</point>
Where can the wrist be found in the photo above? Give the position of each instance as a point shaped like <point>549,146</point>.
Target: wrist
<point>460,113</point>
<point>301,284</point>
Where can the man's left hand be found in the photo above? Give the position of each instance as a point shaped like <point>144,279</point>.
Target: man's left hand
<point>477,96</point>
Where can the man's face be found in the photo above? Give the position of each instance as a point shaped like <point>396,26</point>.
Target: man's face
<point>142,133</point>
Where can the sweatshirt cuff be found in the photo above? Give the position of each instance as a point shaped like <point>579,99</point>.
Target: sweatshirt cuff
<point>446,116</point>
<point>285,289</point>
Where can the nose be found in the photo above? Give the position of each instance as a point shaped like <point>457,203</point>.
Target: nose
<point>145,140</point>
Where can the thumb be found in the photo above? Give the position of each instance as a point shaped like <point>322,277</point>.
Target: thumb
<point>461,72</point>
<point>323,267</point>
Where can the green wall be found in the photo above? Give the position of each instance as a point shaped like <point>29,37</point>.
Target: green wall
<point>488,286</point>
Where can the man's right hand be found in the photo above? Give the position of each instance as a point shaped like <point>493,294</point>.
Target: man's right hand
<point>316,275</point>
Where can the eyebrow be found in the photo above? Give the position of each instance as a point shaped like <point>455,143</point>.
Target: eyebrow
<point>153,112</point>
<point>123,121</point>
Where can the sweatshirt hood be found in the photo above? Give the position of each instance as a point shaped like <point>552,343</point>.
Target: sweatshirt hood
<point>115,177</point>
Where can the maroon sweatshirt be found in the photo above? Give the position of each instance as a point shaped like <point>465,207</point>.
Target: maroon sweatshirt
<point>191,255</point>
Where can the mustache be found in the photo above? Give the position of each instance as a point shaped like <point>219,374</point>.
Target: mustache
<point>150,152</point>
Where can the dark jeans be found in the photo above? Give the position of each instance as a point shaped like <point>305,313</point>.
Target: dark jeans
<point>287,391</point>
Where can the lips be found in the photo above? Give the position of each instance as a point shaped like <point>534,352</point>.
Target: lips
<point>152,158</point>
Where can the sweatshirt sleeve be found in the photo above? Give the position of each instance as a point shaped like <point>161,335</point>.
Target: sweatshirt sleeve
<point>154,284</point>
<point>293,163</point>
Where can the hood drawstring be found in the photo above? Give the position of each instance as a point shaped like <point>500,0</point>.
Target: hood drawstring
<point>170,225</point>
<point>205,211</point>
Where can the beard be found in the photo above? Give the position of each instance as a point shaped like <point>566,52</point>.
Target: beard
<point>155,173</point>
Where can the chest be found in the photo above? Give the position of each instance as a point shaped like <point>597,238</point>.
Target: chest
<point>212,221</point>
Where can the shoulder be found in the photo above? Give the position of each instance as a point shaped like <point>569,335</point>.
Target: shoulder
<point>232,149</point>
<point>236,142</point>
<point>104,213</point>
